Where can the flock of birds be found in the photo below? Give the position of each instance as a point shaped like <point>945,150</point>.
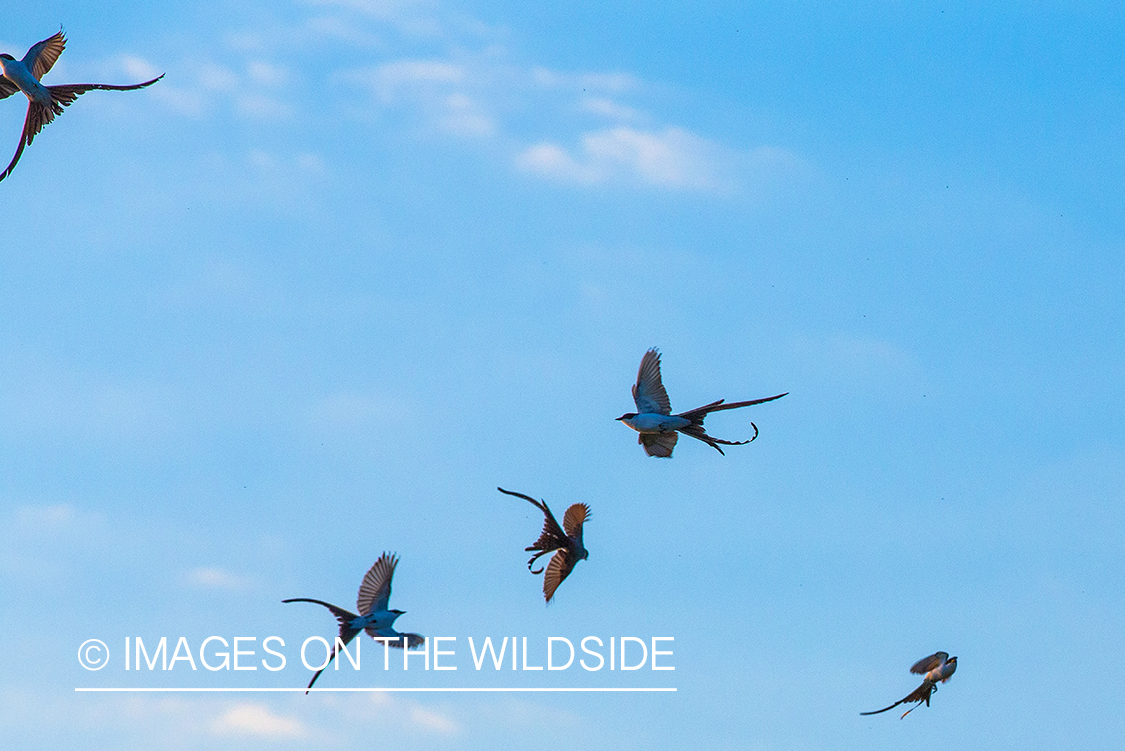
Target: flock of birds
<point>658,429</point>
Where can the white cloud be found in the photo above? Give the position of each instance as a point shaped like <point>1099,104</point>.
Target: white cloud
<point>608,108</point>
<point>463,116</point>
<point>257,720</point>
<point>387,80</point>
<point>613,83</point>
<point>419,716</point>
<point>263,107</point>
<point>674,158</point>
<point>139,68</point>
<point>46,516</point>
<point>216,578</point>
<point>267,74</point>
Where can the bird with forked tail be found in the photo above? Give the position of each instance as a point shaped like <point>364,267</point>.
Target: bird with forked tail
<point>938,668</point>
<point>44,103</point>
<point>565,542</point>
<point>374,618</point>
<point>658,427</point>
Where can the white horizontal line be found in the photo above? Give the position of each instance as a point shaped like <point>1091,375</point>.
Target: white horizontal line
<point>416,690</point>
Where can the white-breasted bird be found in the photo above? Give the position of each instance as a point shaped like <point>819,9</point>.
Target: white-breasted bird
<point>44,102</point>
<point>565,542</point>
<point>938,668</point>
<point>374,617</point>
<point>654,420</point>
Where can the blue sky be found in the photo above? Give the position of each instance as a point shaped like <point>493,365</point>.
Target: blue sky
<point>351,265</point>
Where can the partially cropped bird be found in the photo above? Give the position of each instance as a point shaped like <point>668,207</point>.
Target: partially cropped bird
<point>374,617</point>
<point>654,420</point>
<point>937,668</point>
<point>566,545</point>
<point>44,102</point>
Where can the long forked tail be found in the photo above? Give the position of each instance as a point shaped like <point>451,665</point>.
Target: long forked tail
<point>347,633</point>
<point>884,709</point>
<point>24,140</point>
<point>696,430</point>
<point>696,415</point>
<point>39,115</point>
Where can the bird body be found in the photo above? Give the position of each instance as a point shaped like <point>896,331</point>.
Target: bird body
<point>44,103</point>
<point>564,541</point>
<point>374,615</point>
<point>937,668</point>
<point>658,427</point>
<point>655,422</point>
<point>18,73</point>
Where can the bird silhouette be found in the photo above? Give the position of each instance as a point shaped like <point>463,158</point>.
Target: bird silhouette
<point>658,427</point>
<point>374,617</point>
<point>44,102</point>
<point>937,668</point>
<point>566,545</point>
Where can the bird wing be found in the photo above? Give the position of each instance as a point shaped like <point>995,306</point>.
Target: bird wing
<point>648,392</point>
<point>7,88</point>
<point>926,664</point>
<point>395,639</point>
<point>558,569</point>
<point>552,537</point>
<point>658,444</point>
<point>43,55</point>
<point>574,518</point>
<point>375,591</point>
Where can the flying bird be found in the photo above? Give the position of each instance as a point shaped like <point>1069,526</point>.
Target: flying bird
<point>44,102</point>
<point>566,545</point>
<point>374,617</point>
<point>658,427</point>
<point>938,668</point>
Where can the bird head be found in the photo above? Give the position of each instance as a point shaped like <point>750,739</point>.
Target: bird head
<point>627,416</point>
<point>6,56</point>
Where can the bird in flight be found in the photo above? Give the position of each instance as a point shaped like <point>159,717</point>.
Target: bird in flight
<point>374,617</point>
<point>566,545</point>
<point>938,668</point>
<point>654,420</point>
<point>44,102</point>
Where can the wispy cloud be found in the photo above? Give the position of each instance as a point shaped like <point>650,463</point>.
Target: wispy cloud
<point>257,720</point>
<point>216,578</point>
<point>465,81</point>
<point>672,158</point>
<point>418,715</point>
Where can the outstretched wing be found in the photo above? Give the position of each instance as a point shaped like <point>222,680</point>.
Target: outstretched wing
<point>375,591</point>
<point>552,537</point>
<point>558,569</point>
<point>43,55</point>
<point>395,639</point>
<point>574,518</point>
<point>926,664</point>
<point>7,88</point>
<point>658,444</point>
<point>39,115</point>
<point>648,392</point>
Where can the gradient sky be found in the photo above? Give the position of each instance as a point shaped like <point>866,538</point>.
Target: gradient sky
<point>353,264</point>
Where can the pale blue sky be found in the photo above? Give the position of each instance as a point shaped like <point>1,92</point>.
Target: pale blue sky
<point>351,265</point>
